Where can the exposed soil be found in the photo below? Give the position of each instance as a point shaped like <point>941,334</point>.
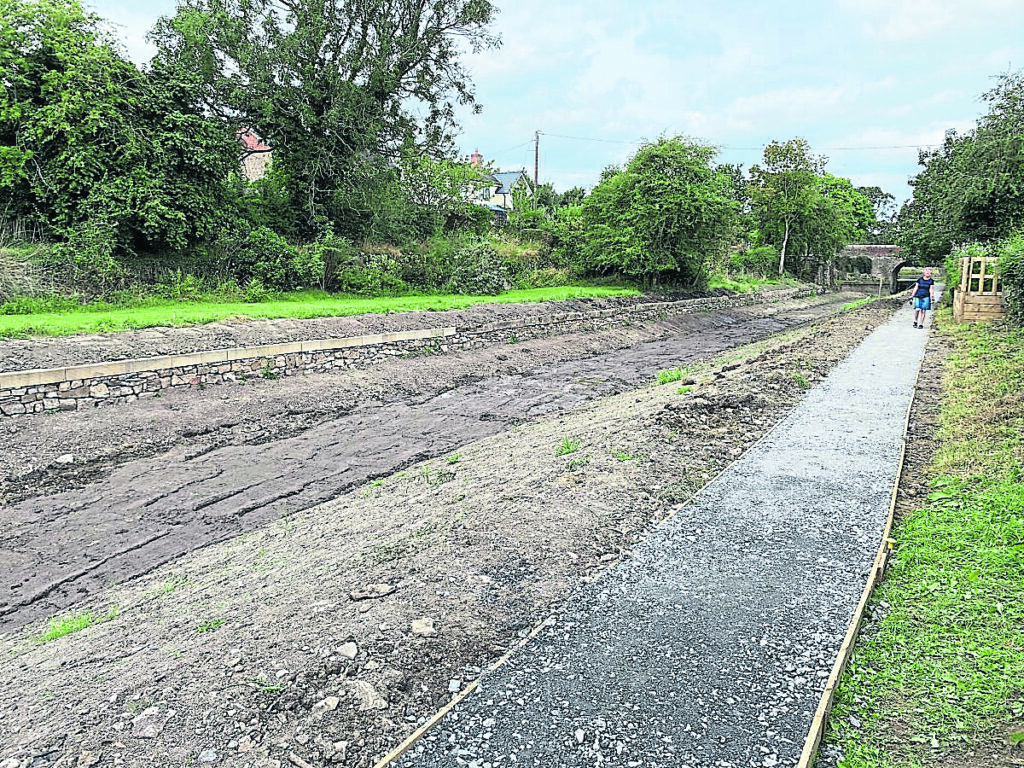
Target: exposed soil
<point>237,652</point>
<point>124,489</point>
<point>25,354</point>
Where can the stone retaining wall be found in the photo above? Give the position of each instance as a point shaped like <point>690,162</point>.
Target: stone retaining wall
<point>123,381</point>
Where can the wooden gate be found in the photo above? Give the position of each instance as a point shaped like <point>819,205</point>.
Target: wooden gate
<point>978,297</point>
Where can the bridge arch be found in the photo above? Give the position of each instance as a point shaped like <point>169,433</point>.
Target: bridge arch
<point>886,261</point>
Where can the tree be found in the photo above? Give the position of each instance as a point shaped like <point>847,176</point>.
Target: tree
<point>662,217</point>
<point>971,189</point>
<point>328,83</point>
<point>572,197</point>
<point>782,191</point>
<point>882,231</point>
<point>88,140</point>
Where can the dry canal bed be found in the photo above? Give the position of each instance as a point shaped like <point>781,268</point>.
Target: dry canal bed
<point>273,644</point>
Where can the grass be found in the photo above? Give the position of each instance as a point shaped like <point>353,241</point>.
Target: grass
<point>684,390</point>
<point>942,672</point>
<point>673,374</point>
<point>74,623</point>
<point>567,446</point>
<point>211,625</point>
<point>801,380</point>
<point>66,320</point>
<point>858,303</point>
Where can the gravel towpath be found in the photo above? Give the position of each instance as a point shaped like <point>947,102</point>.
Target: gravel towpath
<point>712,644</point>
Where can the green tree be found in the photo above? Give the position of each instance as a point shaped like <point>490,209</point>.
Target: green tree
<point>662,217</point>
<point>971,189</point>
<point>572,197</point>
<point>783,191</point>
<point>329,83</point>
<point>883,230</point>
<point>88,140</point>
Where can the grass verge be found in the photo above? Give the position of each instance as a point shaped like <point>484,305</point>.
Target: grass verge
<point>937,678</point>
<point>104,318</point>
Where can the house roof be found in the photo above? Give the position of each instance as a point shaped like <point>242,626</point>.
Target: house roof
<point>506,180</point>
<point>251,142</point>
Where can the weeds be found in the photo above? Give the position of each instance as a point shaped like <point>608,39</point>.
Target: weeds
<point>801,380</point>
<point>211,625</point>
<point>673,374</point>
<point>268,371</point>
<point>577,463</point>
<point>453,459</point>
<point>171,584</point>
<point>623,456</point>
<point>858,303</point>
<point>435,478</point>
<point>567,446</point>
<point>79,621</point>
<point>684,390</point>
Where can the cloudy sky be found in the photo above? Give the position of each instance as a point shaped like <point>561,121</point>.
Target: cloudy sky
<point>866,82</point>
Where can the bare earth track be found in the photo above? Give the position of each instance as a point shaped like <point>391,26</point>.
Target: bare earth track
<point>244,640</point>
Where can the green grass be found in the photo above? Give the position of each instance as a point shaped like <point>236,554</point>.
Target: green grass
<point>858,303</point>
<point>684,390</point>
<point>102,317</point>
<point>801,380</point>
<point>673,374</point>
<point>74,623</point>
<point>211,626</point>
<point>942,673</point>
<point>567,446</point>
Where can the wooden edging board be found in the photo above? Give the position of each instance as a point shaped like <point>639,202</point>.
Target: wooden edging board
<point>820,720</point>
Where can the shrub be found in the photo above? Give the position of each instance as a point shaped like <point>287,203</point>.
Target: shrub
<point>255,291</point>
<point>478,268</point>
<point>86,260</point>
<point>952,268</point>
<point>1011,275</point>
<point>180,285</point>
<point>761,261</point>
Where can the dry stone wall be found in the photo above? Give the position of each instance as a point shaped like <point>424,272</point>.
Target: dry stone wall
<point>67,389</point>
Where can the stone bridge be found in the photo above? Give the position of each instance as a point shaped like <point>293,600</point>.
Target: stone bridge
<point>885,260</point>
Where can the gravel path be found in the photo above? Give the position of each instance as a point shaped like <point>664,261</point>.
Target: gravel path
<point>712,644</point>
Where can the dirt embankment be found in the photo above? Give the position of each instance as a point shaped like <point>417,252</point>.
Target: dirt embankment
<point>127,489</point>
<point>274,648</point>
<point>25,354</point>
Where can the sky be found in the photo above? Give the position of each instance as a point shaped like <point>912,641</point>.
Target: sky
<point>866,82</point>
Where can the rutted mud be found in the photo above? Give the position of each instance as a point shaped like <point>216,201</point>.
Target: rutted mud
<point>61,547</point>
<point>254,650</point>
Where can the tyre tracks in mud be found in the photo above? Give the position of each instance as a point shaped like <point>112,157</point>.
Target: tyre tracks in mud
<point>142,512</point>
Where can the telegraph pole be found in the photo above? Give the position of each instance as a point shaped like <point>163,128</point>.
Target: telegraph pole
<point>536,159</point>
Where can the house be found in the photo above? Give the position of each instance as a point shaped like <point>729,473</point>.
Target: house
<point>498,196</point>
<point>254,157</point>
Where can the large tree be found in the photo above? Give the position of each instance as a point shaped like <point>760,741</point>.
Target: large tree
<point>333,86</point>
<point>89,140</point>
<point>783,189</point>
<point>972,187</point>
<point>662,217</point>
<point>883,230</point>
